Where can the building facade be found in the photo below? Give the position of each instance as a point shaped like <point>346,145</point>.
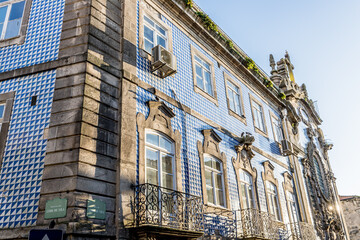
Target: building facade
<point>141,119</point>
<point>351,208</point>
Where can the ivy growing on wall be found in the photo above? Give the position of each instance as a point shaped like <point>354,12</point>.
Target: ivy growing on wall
<point>247,62</point>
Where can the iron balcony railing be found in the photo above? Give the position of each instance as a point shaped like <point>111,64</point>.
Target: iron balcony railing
<point>242,224</point>
<point>301,231</point>
<point>163,207</point>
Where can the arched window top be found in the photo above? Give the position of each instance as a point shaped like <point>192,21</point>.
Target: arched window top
<point>159,141</point>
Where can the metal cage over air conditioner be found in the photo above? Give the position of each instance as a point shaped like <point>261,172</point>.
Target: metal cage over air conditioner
<point>286,147</point>
<point>163,61</point>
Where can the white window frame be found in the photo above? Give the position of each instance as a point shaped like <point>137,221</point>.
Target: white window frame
<point>258,115</point>
<point>210,96</point>
<point>155,32</point>
<point>276,127</point>
<point>292,206</point>
<point>273,200</point>
<point>20,37</point>
<point>161,151</point>
<point>251,205</point>
<point>156,18</point>
<point>241,115</point>
<point>2,104</point>
<point>213,172</point>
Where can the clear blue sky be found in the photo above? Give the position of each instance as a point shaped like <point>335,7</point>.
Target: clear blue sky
<point>323,40</point>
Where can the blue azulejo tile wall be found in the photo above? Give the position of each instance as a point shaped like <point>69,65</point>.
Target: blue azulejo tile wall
<point>23,160</point>
<point>190,129</point>
<point>182,84</point>
<point>42,37</point>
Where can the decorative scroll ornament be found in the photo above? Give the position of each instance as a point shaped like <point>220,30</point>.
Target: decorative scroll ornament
<point>244,152</point>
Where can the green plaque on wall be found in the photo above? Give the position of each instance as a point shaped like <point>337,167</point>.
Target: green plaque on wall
<point>96,209</point>
<point>56,208</point>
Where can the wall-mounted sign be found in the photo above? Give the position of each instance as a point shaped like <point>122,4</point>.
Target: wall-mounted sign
<point>96,209</point>
<point>56,208</point>
<point>46,234</point>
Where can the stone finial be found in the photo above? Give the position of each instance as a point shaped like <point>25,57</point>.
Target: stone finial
<point>246,138</point>
<point>287,56</point>
<point>272,63</point>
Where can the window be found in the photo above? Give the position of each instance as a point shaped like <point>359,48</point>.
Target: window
<point>320,176</point>
<point>214,181</point>
<point>159,160</point>
<point>277,129</point>
<point>258,116</point>
<point>247,190</point>
<point>273,200</point>
<point>2,112</point>
<point>292,208</point>
<point>6,103</point>
<point>154,34</point>
<point>11,15</point>
<point>203,75</point>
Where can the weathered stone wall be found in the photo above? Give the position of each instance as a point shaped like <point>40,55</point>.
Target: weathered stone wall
<point>351,209</point>
<point>82,150</point>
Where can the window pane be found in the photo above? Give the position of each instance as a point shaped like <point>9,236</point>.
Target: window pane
<point>167,181</point>
<point>148,46</point>
<point>218,181</point>
<point>164,143</point>
<point>208,178</point>
<point>198,59</point>
<point>167,164</point>
<point>17,10</point>
<point>207,66</point>
<point>3,14</point>
<point>149,21</point>
<point>210,194</point>
<point>199,82</point>
<point>220,197</point>
<point>217,165</point>
<point>152,176</point>
<point>4,1</point>
<point>161,41</point>
<point>237,104</point>
<point>208,82</point>
<point>152,139</point>
<point>13,28</point>
<point>148,34</point>
<point>161,30</point>
<point>2,108</point>
<point>151,159</point>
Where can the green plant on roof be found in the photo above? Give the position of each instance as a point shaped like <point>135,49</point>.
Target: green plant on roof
<point>188,3</point>
<point>230,44</point>
<point>282,95</point>
<point>208,23</point>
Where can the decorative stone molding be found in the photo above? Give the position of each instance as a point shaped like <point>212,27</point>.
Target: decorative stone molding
<point>159,119</point>
<point>327,222</point>
<point>268,176</point>
<point>288,183</point>
<point>243,162</point>
<point>211,146</point>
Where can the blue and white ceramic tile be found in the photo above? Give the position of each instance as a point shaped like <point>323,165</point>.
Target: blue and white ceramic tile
<point>23,160</point>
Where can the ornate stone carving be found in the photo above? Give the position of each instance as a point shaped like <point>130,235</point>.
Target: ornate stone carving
<point>326,220</point>
<point>159,119</point>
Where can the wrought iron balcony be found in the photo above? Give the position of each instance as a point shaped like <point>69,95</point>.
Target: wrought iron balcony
<point>301,231</point>
<point>161,208</point>
<point>242,224</point>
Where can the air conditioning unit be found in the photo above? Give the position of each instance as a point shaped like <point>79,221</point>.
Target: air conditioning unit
<point>286,147</point>
<point>163,61</point>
